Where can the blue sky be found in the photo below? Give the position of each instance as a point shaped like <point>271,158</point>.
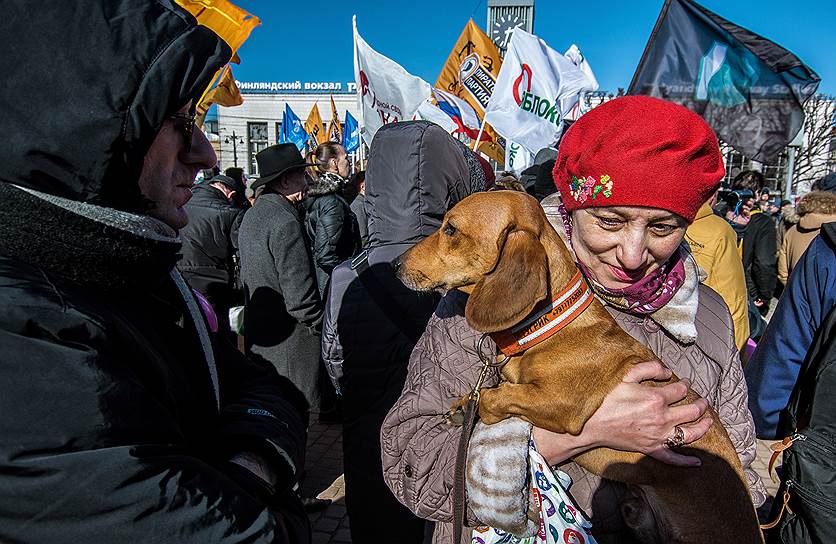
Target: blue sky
<point>312,41</point>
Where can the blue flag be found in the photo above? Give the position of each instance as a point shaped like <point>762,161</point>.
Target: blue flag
<point>351,133</point>
<point>293,130</point>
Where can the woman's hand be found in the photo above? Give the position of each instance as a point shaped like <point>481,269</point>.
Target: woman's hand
<point>635,417</point>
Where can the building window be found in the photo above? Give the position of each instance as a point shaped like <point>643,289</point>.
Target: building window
<point>278,132</point>
<point>774,175</point>
<point>256,141</point>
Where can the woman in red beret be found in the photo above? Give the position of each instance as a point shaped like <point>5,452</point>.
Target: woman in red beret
<point>632,174</point>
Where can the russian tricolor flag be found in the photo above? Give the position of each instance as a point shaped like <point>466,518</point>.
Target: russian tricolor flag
<point>462,113</point>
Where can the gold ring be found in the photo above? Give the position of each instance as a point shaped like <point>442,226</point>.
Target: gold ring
<point>678,438</point>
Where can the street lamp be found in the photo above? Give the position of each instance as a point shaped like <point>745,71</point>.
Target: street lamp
<point>234,139</point>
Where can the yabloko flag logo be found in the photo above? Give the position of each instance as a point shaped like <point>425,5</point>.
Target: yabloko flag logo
<point>530,102</point>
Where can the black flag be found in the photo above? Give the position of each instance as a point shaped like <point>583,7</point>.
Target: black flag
<point>750,90</point>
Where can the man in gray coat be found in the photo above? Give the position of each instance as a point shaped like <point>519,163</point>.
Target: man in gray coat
<point>283,310</point>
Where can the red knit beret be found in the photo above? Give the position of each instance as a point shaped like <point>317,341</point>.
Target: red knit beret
<point>639,151</point>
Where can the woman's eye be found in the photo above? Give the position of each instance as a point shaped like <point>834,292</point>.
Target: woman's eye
<point>609,222</point>
<point>449,230</point>
<point>662,228</point>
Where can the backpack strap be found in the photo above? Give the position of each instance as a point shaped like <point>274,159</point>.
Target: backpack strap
<point>383,297</point>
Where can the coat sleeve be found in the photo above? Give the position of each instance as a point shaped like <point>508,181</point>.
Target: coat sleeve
<point>332,349</point>
<point>297,277</point>
<point>783,265</point>
<point>419,448</point>
<point>773,369</point>
<point>727,278</point>
<point>764,264</point>
<point>257,414</point>
<point>82,463</point>
<point>734,413</point>
<point>329,230</point>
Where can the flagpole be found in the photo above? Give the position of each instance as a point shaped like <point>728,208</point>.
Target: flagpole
<point>479,136</point>
<point>357,90</point>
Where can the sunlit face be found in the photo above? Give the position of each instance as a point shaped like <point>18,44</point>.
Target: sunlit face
<point>622,244</point>
<point>340,164</point>
<point>169,170</point>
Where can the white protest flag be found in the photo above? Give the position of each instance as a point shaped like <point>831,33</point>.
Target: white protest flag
<point>574,105</point>
<point>532,82</point>
<point>430,112</point>
<point>387,92</point>
<point>517,158</point>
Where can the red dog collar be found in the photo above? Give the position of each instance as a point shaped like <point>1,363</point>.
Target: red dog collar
<point>565,307</point>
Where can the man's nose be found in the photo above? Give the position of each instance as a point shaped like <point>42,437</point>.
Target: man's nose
<point>201,154</point>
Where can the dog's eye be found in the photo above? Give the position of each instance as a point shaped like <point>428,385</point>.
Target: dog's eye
<point>449,230</point>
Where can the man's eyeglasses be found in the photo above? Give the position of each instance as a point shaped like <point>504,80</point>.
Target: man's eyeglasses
<point>186,122</point>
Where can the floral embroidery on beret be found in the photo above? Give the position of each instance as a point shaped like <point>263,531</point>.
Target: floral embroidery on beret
<point>584,188</point>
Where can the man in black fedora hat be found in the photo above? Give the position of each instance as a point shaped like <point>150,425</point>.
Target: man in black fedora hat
<point>283,309</point>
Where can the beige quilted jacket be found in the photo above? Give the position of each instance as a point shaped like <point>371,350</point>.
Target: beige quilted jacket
<point>419,449</point>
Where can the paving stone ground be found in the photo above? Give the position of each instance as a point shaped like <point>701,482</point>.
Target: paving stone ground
<point>325,480</point>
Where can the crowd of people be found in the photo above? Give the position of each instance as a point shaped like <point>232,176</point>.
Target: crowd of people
<point>166,345</point>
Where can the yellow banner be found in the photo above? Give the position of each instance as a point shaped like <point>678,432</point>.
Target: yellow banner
<point>226,93</point>
<point>335,131</point>
<point>470,73</point>
<point>227,20</point>
<point>314,127</point>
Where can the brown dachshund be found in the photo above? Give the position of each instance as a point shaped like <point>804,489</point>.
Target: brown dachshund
<point>500,249</point>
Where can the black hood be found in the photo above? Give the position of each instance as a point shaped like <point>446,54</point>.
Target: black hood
<point>86,87</point>
<point>416,173</point>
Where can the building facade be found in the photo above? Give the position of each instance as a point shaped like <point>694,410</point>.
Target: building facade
<point>242,131</point>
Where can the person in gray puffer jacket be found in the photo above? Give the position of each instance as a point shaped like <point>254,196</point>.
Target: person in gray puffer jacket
<point>416,173</point>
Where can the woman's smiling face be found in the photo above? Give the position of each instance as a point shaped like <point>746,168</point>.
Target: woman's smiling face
<point>619,245</point>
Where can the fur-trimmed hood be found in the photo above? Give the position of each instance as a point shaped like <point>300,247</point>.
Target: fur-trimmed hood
<point>325,185</point>
<point>816,208</point>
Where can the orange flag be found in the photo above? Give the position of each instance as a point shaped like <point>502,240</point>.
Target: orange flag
<point>335,131</point>
<point>314,126</point>
<point>225,19</point>
<point>470,73</point>
<point>226,93</point>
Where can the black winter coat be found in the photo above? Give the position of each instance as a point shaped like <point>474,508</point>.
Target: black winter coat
<point>210,248</point>
<point>118,411</point>
<point>331,227</point>
<point>114,397</point>
<point>760,258</point>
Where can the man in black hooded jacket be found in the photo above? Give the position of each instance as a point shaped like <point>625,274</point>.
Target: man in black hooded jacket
<point>121,418</point>
<point>210,244</point>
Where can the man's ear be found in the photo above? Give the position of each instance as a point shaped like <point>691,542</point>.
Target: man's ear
<point>506,295</point>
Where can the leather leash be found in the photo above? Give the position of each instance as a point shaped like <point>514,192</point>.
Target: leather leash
<point>467,419</point>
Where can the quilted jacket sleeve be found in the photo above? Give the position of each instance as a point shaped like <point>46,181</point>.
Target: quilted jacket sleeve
<point>329,230</point>
<point>732,407</point>
<point>418,447</point>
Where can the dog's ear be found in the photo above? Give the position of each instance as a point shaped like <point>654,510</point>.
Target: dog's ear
<point>519,281</point>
